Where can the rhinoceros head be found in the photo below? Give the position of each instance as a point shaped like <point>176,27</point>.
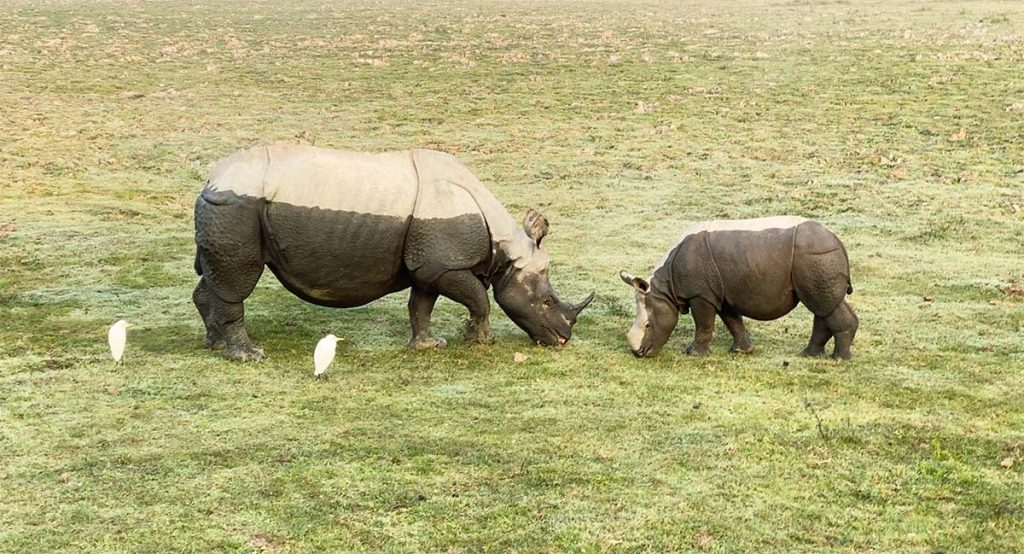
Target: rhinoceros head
<point>656,318</point>
<point>525,293</point>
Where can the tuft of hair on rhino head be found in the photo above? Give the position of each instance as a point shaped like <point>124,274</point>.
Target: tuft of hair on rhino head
<point>758,268</point>
<point>342,229</point>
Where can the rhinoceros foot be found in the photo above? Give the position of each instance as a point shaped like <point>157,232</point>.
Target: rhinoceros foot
<point>812,351</point>
<point>215,343</point>
<point>427,343</point>
<point>248,353</point>
<point>478,332</point>
<point>697,349</point>
<point>842,356</point>
<point>742,347</point>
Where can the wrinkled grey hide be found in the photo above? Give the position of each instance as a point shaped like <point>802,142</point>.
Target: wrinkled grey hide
<point>758,268</point>
<point>344,228</point>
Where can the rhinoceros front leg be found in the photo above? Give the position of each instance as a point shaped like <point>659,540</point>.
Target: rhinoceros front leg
<point>421,305</point>
<point>466,289</point>
<point>704,327</point>
<point>734,323</point>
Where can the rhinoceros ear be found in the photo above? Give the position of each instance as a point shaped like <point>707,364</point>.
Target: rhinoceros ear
<point>636,282</point>
<point>535,225</point>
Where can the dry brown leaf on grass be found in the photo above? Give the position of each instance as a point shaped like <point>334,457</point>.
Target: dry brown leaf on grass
<point>1007,462</point>
<point>519,357</point>
<point>959,135</point>
<point>644,107</point>
<point>261,542</point>
<point>705,540</point>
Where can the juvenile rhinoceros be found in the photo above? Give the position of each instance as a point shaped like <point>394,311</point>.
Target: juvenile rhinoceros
<point>759,268</point>
<point>344,228</point>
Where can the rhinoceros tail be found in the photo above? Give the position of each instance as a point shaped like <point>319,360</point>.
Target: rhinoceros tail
<point>198,266</point>
<point>849,288</point>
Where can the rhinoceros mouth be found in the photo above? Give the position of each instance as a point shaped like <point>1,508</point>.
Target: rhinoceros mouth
<point>551,338</point>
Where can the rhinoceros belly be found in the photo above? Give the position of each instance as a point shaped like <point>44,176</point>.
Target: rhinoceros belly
<point>334,257</point>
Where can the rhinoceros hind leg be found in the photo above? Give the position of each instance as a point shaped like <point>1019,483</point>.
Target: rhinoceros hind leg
<point>820,335</point>
<point>230,261</point>
<point>733,321</point>
<point>843,323</point>
<point>421,305</point>
<point>466,289</point>
<point>704,327</point>
<point>202,297</point>
<point>229,320</point>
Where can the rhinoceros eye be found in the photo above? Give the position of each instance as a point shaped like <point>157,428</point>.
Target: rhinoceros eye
<point>548,302</point>
<point>647,325</point>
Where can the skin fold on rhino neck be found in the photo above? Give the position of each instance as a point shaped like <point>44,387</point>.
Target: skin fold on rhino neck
<point>662,281</point>
<point>657,314</point>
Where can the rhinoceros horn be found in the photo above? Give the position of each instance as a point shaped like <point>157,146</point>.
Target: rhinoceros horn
<point>579,307</point>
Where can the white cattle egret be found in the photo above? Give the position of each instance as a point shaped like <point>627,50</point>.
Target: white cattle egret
<point>116,337</point>
<point>324,354</point>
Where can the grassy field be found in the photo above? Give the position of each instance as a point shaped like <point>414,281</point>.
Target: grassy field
<point>898,124</point>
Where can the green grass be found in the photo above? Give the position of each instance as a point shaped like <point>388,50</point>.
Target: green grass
<point>897,124</point>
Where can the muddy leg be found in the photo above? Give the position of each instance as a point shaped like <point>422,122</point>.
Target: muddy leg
<point>843,323</point>
<point>704,328</point>
<point>228,255</point>
<point>464,288</point>
<point>740,339</point>
<point>421,304</point>
<point>229,320</point>
<point>820,335</point>
<point>202,297</point>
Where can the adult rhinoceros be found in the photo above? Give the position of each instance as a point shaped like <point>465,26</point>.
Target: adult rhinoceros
<point>344,228</point>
